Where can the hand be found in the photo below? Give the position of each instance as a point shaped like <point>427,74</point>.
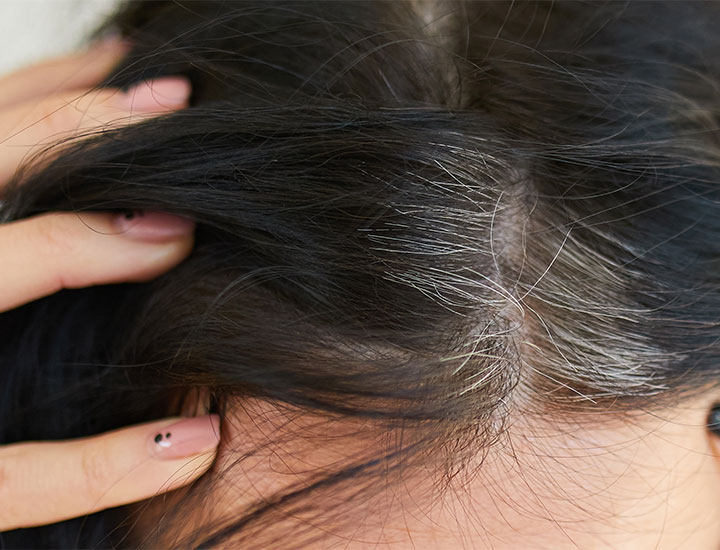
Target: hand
<point>46,482</point>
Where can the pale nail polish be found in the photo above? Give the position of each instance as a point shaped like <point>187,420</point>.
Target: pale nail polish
<point>187,437</point>
<point>153,227</point>
<point>156,95</point>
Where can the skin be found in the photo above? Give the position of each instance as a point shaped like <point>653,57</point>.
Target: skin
<point>51,481</point>
<point>594,482</point>
<point>642,482</point>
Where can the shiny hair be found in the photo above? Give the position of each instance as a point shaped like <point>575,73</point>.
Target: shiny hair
<point>426,216</point>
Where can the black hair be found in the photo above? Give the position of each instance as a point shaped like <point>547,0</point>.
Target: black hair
<point>427,216</point>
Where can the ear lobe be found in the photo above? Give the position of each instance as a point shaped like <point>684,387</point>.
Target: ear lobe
<point>713,421</point>
<point>713,426</point>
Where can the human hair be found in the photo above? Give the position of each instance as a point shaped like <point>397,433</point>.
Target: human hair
<point>425,219</point>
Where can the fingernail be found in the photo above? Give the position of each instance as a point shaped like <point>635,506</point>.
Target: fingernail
<point>160,94</point>
<point>152,227</point>
<point>188,437</point>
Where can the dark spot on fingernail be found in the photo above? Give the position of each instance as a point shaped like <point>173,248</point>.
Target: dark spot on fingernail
<point>168,435</point>
<point>158,438</point>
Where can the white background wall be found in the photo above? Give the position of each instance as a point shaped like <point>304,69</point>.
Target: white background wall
<point>34,29</point>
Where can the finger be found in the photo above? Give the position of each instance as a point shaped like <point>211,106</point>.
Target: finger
<point>79,70</point>
<point>29,127</point>
<point>46,253</point>
<point>48,482</point>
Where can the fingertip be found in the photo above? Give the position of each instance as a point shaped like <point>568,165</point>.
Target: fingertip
<point>145,469</point>
<point>160,94</point>
<point>181,472</point>
<point>180,451</point>
<point>146,262</point>
<point>76,250</point>
<point>185,438</point>
<point>134,246</point>
<point>186,448</point>
<point>152,226</point>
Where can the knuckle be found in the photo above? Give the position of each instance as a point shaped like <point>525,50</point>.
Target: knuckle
<point>92,112</point>
<point>96,472</point>
<point>54,237</point>
<point>54,118</point>
<point>69,116</point>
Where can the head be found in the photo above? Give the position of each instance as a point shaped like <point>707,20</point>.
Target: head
<point>455,278</point>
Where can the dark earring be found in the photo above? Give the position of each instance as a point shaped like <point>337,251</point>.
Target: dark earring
<point>713,421</point>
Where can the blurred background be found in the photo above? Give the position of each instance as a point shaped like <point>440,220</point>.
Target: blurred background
<point>31,30</point>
